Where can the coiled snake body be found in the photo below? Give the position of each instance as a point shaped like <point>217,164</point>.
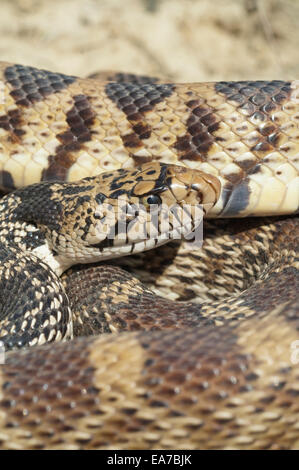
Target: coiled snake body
<point>218,372</point>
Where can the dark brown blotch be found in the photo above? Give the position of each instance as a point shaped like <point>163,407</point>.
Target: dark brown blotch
<point>136,99</point>
<point>246,165</point>
<point>143,130</point>
<point>6,181</point>
<point>12,122</point>
<point>79,118</point>
<point>139,160</point>
<point>30,84</point>
<point>262,147</point>
<point>259,99</point>
<point>50,388</point>
<point>182,383</point>
<point>199,138</point>
<point>131,141</point>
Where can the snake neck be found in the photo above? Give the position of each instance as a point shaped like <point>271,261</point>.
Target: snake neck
<point>20,230</point>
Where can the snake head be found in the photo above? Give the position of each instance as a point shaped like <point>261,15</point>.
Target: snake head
<point>128,211</point>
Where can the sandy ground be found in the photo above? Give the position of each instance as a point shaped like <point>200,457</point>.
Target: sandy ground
<point>186,40</point>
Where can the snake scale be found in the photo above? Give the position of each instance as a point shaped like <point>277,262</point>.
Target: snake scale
<point>208,363</point>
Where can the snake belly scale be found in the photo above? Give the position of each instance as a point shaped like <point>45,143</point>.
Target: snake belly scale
<point>217,372</point>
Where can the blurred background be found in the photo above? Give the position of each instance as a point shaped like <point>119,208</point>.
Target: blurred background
<point>185,40</point>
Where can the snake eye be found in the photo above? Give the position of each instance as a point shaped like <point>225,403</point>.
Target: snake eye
<point>153,199</point>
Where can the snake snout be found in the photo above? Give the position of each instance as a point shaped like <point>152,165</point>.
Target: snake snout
<point>195,187</point>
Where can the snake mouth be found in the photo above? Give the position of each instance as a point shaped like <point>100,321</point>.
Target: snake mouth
<point>143,229</point>
<point>112,248</point>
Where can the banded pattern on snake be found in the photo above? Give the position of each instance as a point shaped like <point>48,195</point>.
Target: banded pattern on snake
<point>221,375</point>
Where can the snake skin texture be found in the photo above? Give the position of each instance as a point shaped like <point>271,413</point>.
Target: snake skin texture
<point>55,126</point>
<point>177,348</point>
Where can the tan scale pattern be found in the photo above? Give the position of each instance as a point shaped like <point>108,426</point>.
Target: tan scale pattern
<point>149,391</point>
<point>246,288</point>
<point>234,255</point>
<point>248,138</point>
